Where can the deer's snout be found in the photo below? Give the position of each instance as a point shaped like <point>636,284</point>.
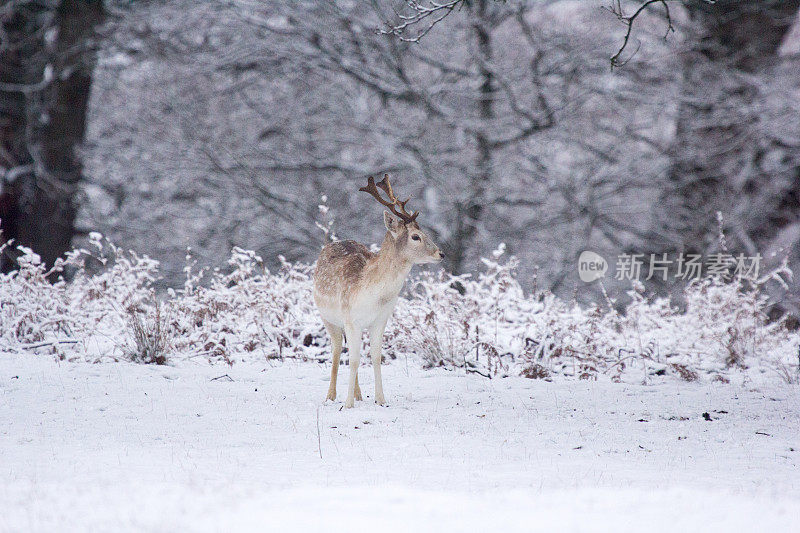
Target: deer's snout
<point>439,255</point>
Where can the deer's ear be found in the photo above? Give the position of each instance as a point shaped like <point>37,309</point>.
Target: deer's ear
<point>392,223</point>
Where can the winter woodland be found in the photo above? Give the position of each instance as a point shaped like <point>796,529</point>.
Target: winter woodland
<point>615,186</point>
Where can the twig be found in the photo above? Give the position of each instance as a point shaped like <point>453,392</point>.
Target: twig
<point>319,440</point>
<point>623,359</point>
<point>438,11</point>
<point>222,377</point>
<point>616,10</point>
<point>474,371</point>
<point>48,343</point>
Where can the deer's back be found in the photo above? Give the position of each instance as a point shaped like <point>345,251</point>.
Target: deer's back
<point>339,268</point>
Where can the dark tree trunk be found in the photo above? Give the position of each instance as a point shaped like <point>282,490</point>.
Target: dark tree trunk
<point>22,62</point>
<point>716,152</point>
<point>44,202</point>
<point>470,213</point>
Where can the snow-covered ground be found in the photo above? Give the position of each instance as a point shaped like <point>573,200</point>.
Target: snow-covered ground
<point>119,446</point>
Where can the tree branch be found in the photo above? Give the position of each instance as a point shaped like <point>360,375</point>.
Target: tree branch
<point>616,9</point>
<point>430,12</point>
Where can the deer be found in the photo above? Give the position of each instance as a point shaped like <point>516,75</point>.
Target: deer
<point>356,289</point>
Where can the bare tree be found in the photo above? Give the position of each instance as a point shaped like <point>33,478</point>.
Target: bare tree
<point>733,50</point>
<point>219,124</point>
<point>451,116</point>
<point>735,149</point>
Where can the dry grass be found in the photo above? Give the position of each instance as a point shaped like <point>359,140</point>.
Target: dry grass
<point>150,336</point>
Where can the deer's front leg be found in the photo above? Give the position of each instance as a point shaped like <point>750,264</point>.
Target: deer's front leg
<point>375,340</point>
<point>354,347</point>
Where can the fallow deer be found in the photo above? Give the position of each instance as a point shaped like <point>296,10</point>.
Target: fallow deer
<point>356,289</point>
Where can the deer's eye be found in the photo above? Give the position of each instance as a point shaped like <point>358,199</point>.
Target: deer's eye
<point>415,237</point>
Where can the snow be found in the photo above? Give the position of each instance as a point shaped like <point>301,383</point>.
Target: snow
<point>124,447</point>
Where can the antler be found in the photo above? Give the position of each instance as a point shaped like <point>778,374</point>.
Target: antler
<point>393,203</point>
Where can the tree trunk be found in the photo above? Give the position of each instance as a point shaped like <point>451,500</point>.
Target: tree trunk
<point>468,214</point>
<point>45,201</point>
<point>22,62</point>
<point>717,145</point>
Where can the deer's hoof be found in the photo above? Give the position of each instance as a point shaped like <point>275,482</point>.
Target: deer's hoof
<point>380,400</point>
<point>331,395</point>
<point>349,403</point>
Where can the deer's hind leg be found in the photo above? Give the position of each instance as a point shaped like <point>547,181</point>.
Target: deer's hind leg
<point>336,345</point>
<point>354,349</point>
<point>358,390</point>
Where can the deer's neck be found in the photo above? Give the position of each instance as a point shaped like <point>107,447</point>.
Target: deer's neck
<point>390,267</point>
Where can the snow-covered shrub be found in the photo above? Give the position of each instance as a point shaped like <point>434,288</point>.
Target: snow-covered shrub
<point>483,323</point>
<point>248,312</point>
<point>724,325</point>
<point>34,312</point>
<point>80,319</point>
<point>491,327</point>
<point>460,321</point>
<point>486,324</point>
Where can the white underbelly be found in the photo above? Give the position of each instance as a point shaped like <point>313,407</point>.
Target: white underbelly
<point>363,312</point>
<point>334,316</point>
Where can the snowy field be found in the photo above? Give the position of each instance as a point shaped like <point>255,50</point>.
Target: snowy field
<point>122,447</point>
